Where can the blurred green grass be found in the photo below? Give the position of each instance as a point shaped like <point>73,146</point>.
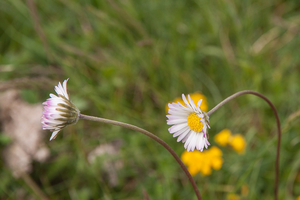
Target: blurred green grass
<point>126,60</point>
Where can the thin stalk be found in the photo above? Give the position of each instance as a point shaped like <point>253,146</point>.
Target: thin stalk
<point>35,188</point>
<point>278,128</point>
<point>152,136</point>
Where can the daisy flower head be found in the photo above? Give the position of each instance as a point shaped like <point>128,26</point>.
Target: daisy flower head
<point>59,111</point>
<point>189,124</point>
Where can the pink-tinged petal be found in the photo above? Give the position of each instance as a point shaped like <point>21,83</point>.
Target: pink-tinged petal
<point>65,88</point>
<point>54,134</point>
<point>202,117</point>
<point>200,142</point>
<point>185,101</point>
<point>53,96</point>
<point>193,142</point>
<point>182,113</point>
<point>181,131</point>
<point>192,103</point>
<point>187,143</point>
<point>176,121</point>
<point>199,104</point>
<point>181,136</point>
<point>179,108</point>
<point>60,90</point>
<point>177,127</point>
<point>170,117</point>
<point>206,143</point>
<point>186,137</point>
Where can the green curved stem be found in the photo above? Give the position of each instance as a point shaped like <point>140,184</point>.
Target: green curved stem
<point>152,136</point>
<point>278,128</point>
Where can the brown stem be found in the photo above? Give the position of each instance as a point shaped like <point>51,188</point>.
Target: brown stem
<point>278,128</point>
<point>152,136</point>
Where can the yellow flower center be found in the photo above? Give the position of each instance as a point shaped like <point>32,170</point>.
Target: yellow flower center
<point>194,122</point>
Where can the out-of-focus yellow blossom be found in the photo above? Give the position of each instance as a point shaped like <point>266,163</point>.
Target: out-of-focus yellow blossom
<point>216,153</point>
<point>233,197</point>
<point>203,162</point>
<point>222,138</point>
<point>195,97</point>
<point>238,143</point>
<point>245,190</point>
<point>298,198</point>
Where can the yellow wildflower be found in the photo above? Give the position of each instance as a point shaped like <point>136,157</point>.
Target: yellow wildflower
<point>232,196</point>
<point>298,198</point>
<point>238,143</point>
<point>215,152</point>
<point>203,162</point>
<point>195,97</point>
<point>189,157</point>
<point>217,163</point>
<point>193,170</point>
<point>205,169</point>
<point>222,138</point>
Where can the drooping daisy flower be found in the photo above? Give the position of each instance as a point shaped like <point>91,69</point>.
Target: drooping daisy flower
<point>59,111</point>
<point>190,124</point>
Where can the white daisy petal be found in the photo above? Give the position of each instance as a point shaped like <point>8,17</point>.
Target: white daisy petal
<point>52,95</point>
<point>185,101</point>
<point>187,136</point>
<point>190,144</point>
<point>178,113</point>
<point>176,121</point>
<point>177,127</point>
<point>178,107</point>
<point>199,103</point>
<point>182,132</point>
<point>65,88</point>
<point>182,135</point>
<point>171,117</point>
<point>200,142</point>
<point>192,103</point>
<point>188,141</point>
<point>58,89</point>
<point>54,134</point>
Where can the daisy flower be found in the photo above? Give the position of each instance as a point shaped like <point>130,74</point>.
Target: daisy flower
<point>190,124</point>
<point>59,111</point>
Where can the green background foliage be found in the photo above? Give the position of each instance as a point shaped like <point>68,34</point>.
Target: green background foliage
<point>127,59</point>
